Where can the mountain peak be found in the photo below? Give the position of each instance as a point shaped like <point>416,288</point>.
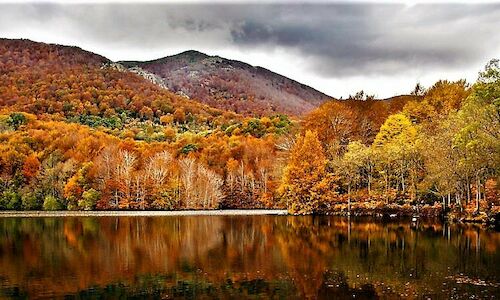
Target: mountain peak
<point>192,54</point>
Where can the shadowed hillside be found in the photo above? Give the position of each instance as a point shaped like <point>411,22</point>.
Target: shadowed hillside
<point>233,85</point>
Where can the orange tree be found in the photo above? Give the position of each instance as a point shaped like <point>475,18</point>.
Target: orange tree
<point>306,183</point>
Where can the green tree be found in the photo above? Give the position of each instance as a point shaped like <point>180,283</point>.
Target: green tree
<point>89,199</point>
<point>479,136</point>
<point>10,200</point>
<point>31,201</point>
<point>51,203</point>
<point>356,168</point>
<point>442,172</point>
<point>16,120</point>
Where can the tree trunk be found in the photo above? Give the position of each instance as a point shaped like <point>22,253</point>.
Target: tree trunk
<point>369,184</point>
<point>467,189</point>
<point>387,188</point>
<point>349,199</point>
<point>402,180</point>
<point>478,192</point>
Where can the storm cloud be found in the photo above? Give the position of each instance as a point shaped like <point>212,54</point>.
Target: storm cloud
<point>331,41</point>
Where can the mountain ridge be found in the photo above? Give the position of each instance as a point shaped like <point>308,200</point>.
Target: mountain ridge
<point>231,84</point>
<point>180,62</point>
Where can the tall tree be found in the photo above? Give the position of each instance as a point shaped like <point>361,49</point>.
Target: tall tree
<point>306,183</point>
<point>479,137</point>
<point>395,145</point>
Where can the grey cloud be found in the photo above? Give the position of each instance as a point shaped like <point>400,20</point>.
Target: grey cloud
<point>353,39</point>
<point>336,39</point>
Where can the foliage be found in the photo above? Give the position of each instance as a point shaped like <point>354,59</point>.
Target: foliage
<point>10,200</point>
<point>305,182</point>
<point>76,133</point>
<point>51,203</point>
<point>31,201</point>
<point>89,199</point>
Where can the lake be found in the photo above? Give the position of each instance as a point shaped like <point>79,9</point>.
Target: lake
<point>282,257</point>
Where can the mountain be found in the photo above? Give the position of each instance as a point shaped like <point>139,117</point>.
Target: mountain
<point>62,82</point>
<point>73,122</point>
<point>232,85</point>
<point>71,83</point>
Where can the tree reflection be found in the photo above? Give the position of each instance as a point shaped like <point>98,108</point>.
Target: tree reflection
<point>276,256</point>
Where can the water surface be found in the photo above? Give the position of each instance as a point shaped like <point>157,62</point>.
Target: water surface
<point>231,257</point>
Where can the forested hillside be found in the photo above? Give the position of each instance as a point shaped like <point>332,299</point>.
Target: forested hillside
<point>79,133</point>
<point>66,115</point>
<point>72,83</point>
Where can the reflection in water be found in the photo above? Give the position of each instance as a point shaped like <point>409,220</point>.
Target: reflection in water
<point>244,256</point>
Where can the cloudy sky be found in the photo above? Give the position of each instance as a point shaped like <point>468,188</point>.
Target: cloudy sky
<point>335,47</point>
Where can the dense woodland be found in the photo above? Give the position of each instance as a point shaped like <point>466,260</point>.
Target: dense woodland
<point>76,134</point>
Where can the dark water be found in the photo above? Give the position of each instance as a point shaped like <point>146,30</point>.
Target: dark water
<point>245,257</point>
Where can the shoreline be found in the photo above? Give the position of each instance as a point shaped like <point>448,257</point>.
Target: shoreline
<point>146,213</point>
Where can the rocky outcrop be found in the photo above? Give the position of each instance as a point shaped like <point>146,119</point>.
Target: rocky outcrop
<point>139,71</point>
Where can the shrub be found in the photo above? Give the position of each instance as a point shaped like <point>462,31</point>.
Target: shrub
<point>31,201</point>
<point>17,119</point>
<point>10,200</point>
<point>89,199</point>
<point>189,148</point>
<point>51,203</point>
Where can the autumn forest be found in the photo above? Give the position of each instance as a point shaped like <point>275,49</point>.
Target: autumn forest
<point>79,132</point>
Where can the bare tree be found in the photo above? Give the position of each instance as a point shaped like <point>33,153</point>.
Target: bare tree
<point>188,170</point>
<point>124,170</point>
<point>286,143</point>
<point>211,184</point>
<point>140,189</point>
<point>158,166</point>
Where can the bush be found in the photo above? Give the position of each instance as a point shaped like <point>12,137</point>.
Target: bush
<point>17,119</point>
<point>189,148</point>
<point>51,203</point>
<point>10,200</point>
<point>165,201</point>
<point>31,201</point>
<point>89,199</point>
<point>3,201</point>
<point>255,128</point>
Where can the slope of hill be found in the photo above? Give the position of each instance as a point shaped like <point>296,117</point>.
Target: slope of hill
<point>232,85</point>
<point>69,82</point>
<point>69,118</point>
<point>77,85</point>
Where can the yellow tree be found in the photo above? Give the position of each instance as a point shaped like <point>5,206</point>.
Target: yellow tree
<point>356,166</point>
<point>479,135</point>
<point>306,183</point>
<point>395,148</point>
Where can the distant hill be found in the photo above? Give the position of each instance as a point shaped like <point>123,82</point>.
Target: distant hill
<point>73,83</point>
<point>232,85</point>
